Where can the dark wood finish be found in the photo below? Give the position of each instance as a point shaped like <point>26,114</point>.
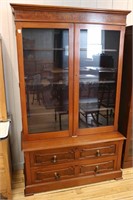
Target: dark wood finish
<point>76,156</point>
<point>125,117</point>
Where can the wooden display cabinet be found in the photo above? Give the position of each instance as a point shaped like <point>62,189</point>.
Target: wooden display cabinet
<point>125,116</point>
<point>70,66</point>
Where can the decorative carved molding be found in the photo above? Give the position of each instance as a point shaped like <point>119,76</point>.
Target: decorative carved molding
<point>73,15</point>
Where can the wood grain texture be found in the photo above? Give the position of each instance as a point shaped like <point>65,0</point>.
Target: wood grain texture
<point>71,141</point>
<point>36,13</point>
<point>52,169</point>
<point>108,190</point>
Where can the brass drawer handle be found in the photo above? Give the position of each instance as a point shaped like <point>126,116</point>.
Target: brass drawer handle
<point>57,176</point>
<point>96,169</point>
<point>54,159</point>
<point>98,154</point>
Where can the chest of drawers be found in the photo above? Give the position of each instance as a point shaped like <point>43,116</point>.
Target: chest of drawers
<point>60,167</point>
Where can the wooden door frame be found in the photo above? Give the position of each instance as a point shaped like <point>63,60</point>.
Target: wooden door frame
<point>44,135</point>
<point>114,127</point>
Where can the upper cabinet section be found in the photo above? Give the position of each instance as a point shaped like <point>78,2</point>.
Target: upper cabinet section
<point>46,78</point>
<point>46,74</point>
<point>70,65</point>
<point>38,13</point>
<point>98,67</point>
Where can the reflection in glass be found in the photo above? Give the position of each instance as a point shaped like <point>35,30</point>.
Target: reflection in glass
<point>99,51</point>
<point>46,78</point>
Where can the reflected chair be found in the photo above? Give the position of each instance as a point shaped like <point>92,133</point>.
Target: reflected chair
<point>107,100</point>
<point>61,107</point>
<point>37,88</point>
<point>101,102</point>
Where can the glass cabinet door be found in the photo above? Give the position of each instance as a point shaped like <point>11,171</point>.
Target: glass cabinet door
<point>46,73</point>
<point>97,74</point>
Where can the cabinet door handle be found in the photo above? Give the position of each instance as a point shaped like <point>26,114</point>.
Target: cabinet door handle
<point>96,169</point>
<point>57,176</point>
<point>98,154</point>
<point>54,159</point>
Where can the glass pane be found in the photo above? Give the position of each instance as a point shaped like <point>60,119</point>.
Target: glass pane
<point>46,77</point>
<point>99,51</point>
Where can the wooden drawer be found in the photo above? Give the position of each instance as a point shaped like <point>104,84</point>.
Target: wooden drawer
<point>43,175</point>
<point>97,168</point>
<point>49,157</point>
<point>97,150</point>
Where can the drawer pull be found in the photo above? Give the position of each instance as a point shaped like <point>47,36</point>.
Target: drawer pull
<point>96,169</point>
<point>57,176</point>
<point>54,159</point>
<point>98,154</point>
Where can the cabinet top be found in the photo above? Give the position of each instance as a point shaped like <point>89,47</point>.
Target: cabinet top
<point>29,12</point>
<point>33,7</point>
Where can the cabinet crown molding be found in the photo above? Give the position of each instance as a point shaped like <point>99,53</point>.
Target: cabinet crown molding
<point>29,12</point>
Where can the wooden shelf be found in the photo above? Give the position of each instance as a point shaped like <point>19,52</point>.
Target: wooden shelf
<point>51,49</point>
<point>103,50</point>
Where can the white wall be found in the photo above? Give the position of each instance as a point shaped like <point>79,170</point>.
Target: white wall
<point>7,30</point>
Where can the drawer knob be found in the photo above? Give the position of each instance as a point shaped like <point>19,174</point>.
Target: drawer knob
<point>98,154</point>
<point>57,176</point>
<point>54,159</point>
<point>96,169</point>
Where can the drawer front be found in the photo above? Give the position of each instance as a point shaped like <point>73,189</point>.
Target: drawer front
<point>50,157</point>
<point>98,150</point>
<point>43,175</point>
<point>98,168</point>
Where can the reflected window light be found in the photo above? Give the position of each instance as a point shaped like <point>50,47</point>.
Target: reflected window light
<point>66,50</point>
<point>94,43</point>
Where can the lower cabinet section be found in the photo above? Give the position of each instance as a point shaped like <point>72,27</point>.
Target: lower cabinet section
<point>62,173</point>
<point>57,168</point>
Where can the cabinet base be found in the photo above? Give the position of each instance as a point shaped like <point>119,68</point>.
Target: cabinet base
<point>78,181</point>
<point>127,164</point>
